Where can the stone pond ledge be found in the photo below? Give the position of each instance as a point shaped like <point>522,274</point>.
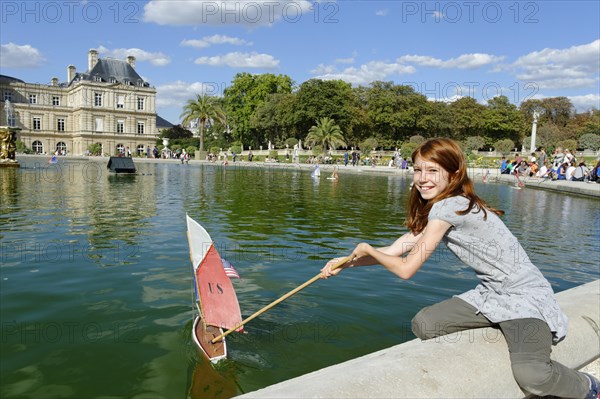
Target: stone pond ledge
<point>471,364</point>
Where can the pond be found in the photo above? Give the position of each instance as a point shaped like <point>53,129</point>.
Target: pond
<point>96,288</point>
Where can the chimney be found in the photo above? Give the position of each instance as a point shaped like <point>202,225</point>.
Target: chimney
<point>70,73</point>
<point>131,61</point>
<point>92,59</point>
<point>54,81</point>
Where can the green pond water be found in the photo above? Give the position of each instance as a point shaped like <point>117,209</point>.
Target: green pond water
<point>96,287</point>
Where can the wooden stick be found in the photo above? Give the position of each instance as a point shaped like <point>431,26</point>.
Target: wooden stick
<point>281,299</point>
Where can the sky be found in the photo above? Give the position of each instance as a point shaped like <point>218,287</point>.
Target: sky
<point>443,49</point>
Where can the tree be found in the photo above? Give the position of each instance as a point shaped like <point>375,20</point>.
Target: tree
<point>244,97</point>
<point>395,111</point>
<point>176,132</point>
<point>504,146</point>
<point>417,139</point>
<point>325,133</point>
<point>501,119</point>
<point>369,144</point>
<point>473,143</point>
<point>203,109</point>
<point>467,117</point>
<point>557,110</point>
<point>589,141</point>
<point>548,135</point>
<point>317,99</point>
<point>273,120</point>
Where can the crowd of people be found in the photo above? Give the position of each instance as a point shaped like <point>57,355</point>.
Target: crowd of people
<point>562,166</point>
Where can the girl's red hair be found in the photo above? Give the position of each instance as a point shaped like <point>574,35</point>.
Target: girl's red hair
<point>448,154</point>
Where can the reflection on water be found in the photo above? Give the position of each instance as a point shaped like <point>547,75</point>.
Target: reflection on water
<point>74,327</point>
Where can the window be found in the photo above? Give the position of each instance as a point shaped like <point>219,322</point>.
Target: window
<point>120,101</point>
<point>37,123</point>
<point>140,128</point>
<point>60,124</point>
<point>12,121</point>
<point>120,149</point>
<point>120,126</point>
<point>99,125</point>
<point>98,99</point>
<point>61,148</point>
<point>37,147</point>
<point>140,150</point>
<point>140,103</point>
<point>97,79</point>
<point>33,99</point>
<point>8,95</point>
<point>55,100</point>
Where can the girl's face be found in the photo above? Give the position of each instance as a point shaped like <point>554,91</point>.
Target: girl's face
<point>429,178</point>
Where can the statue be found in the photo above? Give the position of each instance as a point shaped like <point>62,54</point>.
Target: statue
<point>8,146</point>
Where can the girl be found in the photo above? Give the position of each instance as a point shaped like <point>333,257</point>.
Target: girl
<point>512,295</point>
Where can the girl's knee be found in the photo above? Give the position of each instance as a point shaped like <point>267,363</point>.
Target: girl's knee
<point>421,325</point>
<point>536,378</point>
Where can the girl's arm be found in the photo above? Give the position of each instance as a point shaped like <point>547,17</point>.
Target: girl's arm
<point>419,248</point>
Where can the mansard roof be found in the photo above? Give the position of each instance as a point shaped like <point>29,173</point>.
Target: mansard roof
<point>111,70</point>
<point>162,123</point>
<point>9,79</point>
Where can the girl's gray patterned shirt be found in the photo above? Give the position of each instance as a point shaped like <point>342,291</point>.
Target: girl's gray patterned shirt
<point>511,287</point>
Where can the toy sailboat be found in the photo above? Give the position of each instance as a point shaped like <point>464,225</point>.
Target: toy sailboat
<point>215,297</point>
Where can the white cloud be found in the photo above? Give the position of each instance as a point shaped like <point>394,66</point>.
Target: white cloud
<point>382,13</point>
<point>208,41</point>
<point>573,67</point>
<point>240,60</point>
<point>585,102</point>
<point>157,59</point>
<point>366,73</point>
<point>20,56</point>
<point>349,60</point>
<point>464,61</point>
<point>225,12</point>
<point>176,94</point>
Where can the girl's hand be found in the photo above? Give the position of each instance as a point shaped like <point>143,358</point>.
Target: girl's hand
<point>361,250</point>
<point>326,271</point>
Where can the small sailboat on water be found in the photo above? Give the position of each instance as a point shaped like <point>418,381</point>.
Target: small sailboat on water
<point>316,173</point>
<point>215,296</point>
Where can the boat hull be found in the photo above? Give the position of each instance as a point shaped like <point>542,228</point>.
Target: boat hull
<point>203,335</point>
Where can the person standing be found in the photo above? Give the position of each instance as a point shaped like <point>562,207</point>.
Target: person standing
<point>542,158</point>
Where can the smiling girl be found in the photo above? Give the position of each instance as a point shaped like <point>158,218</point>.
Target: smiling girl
<point>512,295</point>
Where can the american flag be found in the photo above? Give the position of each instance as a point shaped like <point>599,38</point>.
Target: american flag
<point>229,269</point>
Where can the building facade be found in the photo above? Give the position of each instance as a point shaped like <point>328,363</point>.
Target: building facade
<point>108,107</point>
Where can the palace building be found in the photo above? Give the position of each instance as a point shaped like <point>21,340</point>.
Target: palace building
<point>109,105</point>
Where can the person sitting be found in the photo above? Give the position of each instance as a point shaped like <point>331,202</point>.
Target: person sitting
<point>510,166</point>
<point>562,171</point>
<point>595,172</point>
<point>522,168</point>
<point>503,165</point>
<point>544,171</point>
<point>570,169</point>
<point>581,172</point>
<point>533,168</point>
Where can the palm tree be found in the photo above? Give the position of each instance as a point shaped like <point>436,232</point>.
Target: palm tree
<point>203,108</point>
<point>326,133</point>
